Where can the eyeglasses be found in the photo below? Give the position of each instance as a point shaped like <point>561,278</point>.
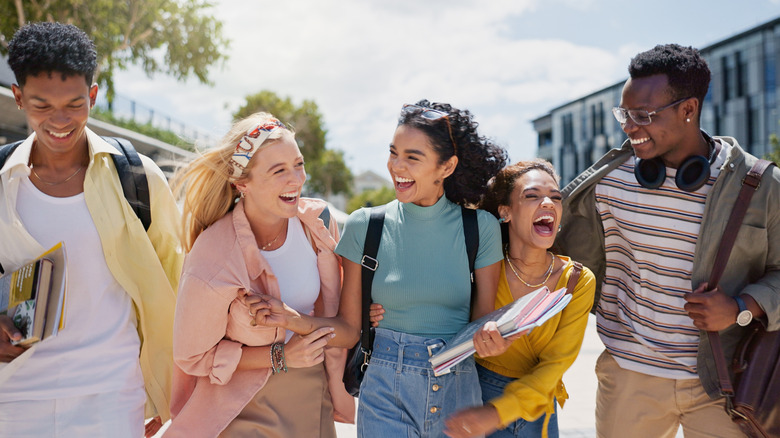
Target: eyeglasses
<point>432,115</point>
<point>640,117</point>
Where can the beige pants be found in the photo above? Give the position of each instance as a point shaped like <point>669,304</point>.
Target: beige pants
<point>631,404</point>
<point>293,404</point>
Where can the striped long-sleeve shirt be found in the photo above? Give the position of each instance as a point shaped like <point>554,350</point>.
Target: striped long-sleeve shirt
<point>650,238</point>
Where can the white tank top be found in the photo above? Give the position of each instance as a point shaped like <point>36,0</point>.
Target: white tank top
<point>97,350</point>
<point>295,267</point>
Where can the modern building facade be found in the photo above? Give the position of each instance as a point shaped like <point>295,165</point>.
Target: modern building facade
<point>742,102</point>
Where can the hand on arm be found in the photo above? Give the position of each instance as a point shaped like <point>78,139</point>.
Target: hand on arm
<point>375,314</point>
<point>152,427</point>
<point>472,422</point>
<point>8,333</point>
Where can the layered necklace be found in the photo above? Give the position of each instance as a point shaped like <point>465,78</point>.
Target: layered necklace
<point>514,270</point>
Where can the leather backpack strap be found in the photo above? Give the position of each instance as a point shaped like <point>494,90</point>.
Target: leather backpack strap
<point>574,277</point>
<point>750,184</point>
<point>370,264</point>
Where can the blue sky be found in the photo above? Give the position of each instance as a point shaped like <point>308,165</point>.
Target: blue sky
<point>508,61</point>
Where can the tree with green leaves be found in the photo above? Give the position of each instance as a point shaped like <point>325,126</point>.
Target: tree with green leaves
<point>370,198</point>
<point>180,38</point>
<point>328,173</point>
<point>775,154</point>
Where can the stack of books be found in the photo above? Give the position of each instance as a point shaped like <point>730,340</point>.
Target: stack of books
<point>33,296</point>
<point>524,314</point>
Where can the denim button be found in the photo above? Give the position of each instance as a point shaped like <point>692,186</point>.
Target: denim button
<point>434,409</point>
<point>435,387</point>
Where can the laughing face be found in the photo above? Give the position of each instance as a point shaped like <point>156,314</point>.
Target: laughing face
<point>535,209</point>
<point>664,136</point>
<point>276,176</point>
<point>415,167</point>
<point>57,110</point>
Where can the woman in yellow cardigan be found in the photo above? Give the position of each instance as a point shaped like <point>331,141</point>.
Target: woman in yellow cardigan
<point>520,387</point>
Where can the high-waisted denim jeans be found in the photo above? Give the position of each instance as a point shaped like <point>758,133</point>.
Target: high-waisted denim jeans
<point>400,396</point>
<point>493,386</point>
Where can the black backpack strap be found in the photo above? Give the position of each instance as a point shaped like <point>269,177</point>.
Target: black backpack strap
<point>471,233</point>
<point>7,150</point>
<point>132,176</point>
<point>369,263</point>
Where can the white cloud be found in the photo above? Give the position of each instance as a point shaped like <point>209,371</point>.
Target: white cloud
<point>361,60</point>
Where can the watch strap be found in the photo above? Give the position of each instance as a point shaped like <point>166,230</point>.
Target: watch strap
<point>740,303</point>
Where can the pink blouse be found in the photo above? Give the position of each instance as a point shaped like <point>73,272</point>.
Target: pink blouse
<point>211,324</point>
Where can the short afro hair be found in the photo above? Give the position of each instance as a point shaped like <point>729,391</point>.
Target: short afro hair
<point>51,48</point>
<point>685,68</point>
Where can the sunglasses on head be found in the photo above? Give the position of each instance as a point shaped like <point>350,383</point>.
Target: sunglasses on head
<point>432,115</point>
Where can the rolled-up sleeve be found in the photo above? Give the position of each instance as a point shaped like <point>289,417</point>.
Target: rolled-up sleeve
<point>199,344</point>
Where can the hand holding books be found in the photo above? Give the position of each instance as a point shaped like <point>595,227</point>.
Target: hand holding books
<point>31,303</point>
<point>516,318</point>
<point>488,341</point>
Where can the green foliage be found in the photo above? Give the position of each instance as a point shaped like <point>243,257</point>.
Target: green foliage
<point>305,120</point>
<point>775,154</point>
<point>328,173</point>
<point>370,198</point>
<point>142,128</point>
<point>180,38</point>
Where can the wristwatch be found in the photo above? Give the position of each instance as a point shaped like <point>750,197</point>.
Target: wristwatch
<point>745,316</point>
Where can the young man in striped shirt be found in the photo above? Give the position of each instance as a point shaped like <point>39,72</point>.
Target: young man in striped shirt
<point>647,219</point>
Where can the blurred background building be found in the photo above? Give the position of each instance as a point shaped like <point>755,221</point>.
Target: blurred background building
<point>742,102</point>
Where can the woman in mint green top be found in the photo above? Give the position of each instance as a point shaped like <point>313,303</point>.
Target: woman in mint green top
<point>438,162</point>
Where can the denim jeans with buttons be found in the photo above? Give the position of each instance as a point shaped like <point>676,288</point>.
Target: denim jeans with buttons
<point>400,396</point>
<point>493,385</point>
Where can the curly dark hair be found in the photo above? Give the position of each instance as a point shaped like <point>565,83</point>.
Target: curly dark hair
<point>479,158</point>
<point>51,47</point>
<point>686,70</point>
<point>501,187</point>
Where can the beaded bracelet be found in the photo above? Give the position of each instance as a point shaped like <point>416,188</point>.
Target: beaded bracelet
<point>278,363</point>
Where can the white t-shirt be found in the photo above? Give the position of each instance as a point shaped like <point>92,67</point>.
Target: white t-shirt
<point>295,267</point>
<point>97,350</point>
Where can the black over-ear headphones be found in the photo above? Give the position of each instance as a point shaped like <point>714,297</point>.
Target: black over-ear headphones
<point>691,175</point>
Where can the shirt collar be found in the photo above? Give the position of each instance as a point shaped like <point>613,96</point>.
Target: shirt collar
<point>21,156</point>
<point>255,263</point>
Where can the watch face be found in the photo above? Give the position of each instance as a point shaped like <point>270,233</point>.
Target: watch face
<point>744,317</point>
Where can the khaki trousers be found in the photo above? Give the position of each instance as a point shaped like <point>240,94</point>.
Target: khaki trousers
<point>631,404</point>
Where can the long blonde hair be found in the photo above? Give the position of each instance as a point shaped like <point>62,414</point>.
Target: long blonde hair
<point>206,186</point>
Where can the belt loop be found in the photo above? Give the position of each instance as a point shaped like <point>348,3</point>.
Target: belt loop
<point>400,360</point>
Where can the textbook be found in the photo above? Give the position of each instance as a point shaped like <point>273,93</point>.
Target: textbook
<point>33,296</point>
<point>526,313</point>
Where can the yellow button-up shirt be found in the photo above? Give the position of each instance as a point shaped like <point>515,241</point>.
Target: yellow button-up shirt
<point>147,264</point>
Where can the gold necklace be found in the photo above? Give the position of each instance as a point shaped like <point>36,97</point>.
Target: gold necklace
<point>267,245</point>
<point>48,183</point>
<point>547,275</point>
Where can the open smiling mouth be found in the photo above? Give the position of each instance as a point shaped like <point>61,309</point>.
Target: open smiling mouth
<point>544,224</point>
<point>289,198</point>
<point>403,183</point>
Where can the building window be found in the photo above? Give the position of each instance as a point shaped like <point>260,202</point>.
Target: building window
<point>741,74</point>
